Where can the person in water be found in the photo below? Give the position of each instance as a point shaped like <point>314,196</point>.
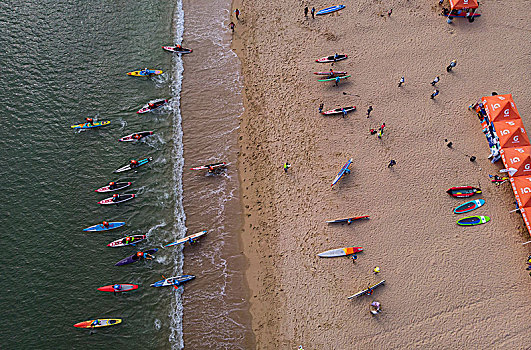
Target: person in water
<point>133,163</point>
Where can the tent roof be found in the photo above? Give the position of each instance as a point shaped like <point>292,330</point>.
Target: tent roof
<point>500,107</point>
<point>522,190</point>
<point>511,133</point>
<point>526,214</point>
<point>518,158</point>
<point>463,4</point>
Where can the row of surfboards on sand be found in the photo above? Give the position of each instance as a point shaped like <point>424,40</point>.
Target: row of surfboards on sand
<point>466,192</point>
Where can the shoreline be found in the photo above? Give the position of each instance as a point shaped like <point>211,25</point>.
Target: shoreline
<point>444,284</point>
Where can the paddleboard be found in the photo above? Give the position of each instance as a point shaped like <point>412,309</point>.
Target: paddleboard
<point>331,73</point>
<point>177,50</point>
<point>339,110</point>
<point>463,191</point>
<point>473,220</point>
<point>117,186</point>
<point>329,59</point>
<point>469,206</point>
<point>343,170</point>
<point>147,73</point>
<point>363,292</point>
<point>102,322</point>
<point>333,79</point>
<point>122,198</point>
<point>128,166</point>
<point>123,288</point>
<point>129,240</point>
<point>155,105</point>
<point>136,136</point>
<point>91,125</point>
<point>329,10</point>
<point>100,227</point>
<point>334,253</point>
<point>208,166</point>
<point>187,239</point>
<point>348,220</point>
<point>173,281</point>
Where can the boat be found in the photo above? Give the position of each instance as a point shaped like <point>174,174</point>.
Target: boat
<point>469,206</point>
<point>210,166</point>
<point>329,59</point>
<point>130,167</point>
<point>342,172</point>
<point>134,258</point>
<point>368,290</point>
<point>151,106</point>
<point>136,136</point>
<point>115,187</point>
<point>102,322</point>
<point>463,191</point>
<point>145,73</point>
<point>339,110</point>
<point>334,253</point>
<point>187,239</point>
<point>173,281</point>
<point>177,49</point>
<point>101,227</point>
<point>123,288</point>
<point>329,10</point>
<point>334,78</point>
<point>348,220</point>
<point>333,73</point>
<point>117,200</point>
<point>91,125</point>
<point>129,240</point>
<point>473,220</point>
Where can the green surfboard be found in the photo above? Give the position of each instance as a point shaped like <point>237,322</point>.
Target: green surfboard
<point>332,79</point>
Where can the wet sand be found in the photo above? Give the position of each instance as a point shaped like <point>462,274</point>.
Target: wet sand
<point>446,286</point>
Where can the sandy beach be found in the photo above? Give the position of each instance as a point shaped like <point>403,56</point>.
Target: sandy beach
<point>446,286</point>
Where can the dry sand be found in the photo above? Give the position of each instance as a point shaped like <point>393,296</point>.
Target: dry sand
<point>447,286</point>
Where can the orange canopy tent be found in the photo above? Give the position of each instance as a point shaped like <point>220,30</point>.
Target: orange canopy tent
<point>500,107</point>
<point>463,4</point>
<point>517,160</point>
<point>522,191</point>
<point>511,133</point>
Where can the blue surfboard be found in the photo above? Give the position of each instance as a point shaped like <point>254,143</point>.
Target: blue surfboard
<point>469,206</point>
<point>100,227</point>
<point>342,172</point>
<point>330,10</point>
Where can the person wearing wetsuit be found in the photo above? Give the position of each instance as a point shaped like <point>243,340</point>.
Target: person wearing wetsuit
<point>115,197</point>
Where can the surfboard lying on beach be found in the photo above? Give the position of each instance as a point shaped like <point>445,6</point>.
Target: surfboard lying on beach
<point>329,10</point>
<point>334,253</point>
<point>342,172</point>
<point>347,220</point>
<point>469,206</point>
<point>473,220</point>
<point>332,79</point>
<point>365,291</point>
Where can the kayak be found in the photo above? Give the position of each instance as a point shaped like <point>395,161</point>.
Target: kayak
<point>342,172</point>
<point>173,281</point>
<point>187,239</point>
<point>469,206</point>
<point>463,191</point>
<point>156,105</point>
<point>129,240</point>
<point>122,198</point>
<point>145,73</point>
<point>134,258</point>
<point>128,166</point>
<point>91,125</point>
<point>102,322</point>
<point>366,291</point>
<point>329,10</point>
<point>117,186</point>
<point>347,220</point>
<point>100,227</point>
<point>473,220</point>
<point>329,59</point>
<point>339,110</point>
<point>331,73</point>
<point>123,288</point>
<point>177,50</point>
<point>136,136</point>
<point>208,166</point>
<point>333,79</point>
<point>334,253</point>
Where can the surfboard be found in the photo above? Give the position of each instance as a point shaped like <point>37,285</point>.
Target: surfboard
<point>342,172</point>
<point>469,206</point>
<point>187,239</point>
<point>334,253</point>
<point>473,220</point>
<point>347,220</point>
<point>363,292</point>
<point>329,10</point>
<point>332,79</point>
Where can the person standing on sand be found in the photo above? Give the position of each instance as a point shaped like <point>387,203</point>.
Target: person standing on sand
<point>391,163</point>
<point>354,258</point>
<point>237,12</point>
<point>286,167</point>
<point>313,12</point>
<point>321,106</point>
<point>434,93</point>
<point>369,111</point>
<point>344,112</point>
<point>306,11</point>
<point>435,81</point>
<point>337,81</point>
<point>452,65</point>
<point>402,80</point>
<point>376,270</point>
<point>380,130</point>
<point>231,25</point>
<point>389,12</point>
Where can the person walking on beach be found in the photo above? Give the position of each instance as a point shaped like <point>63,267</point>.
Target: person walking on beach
<point>402,80</point>
<point>434,93</point>
<point>306,11</point>
<point>354,258</point>
<point>337,81</point>
<point>451,66</point>
<point>391,163</point>
<point>435,81</point>
<point>344,112</point>
<point>376,270</point>
<point>369,110</point>
<point>321,106</point>
<point>380,130</point>
<point>237,12</point>
<point>231,25</point>
<point>389,12</point>
<point>313,12</point>
<point>286,167</point>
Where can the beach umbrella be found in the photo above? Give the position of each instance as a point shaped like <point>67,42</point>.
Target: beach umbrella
<point>511,133</point>
<point>463,4</point>
<point>517,160</point>
<point>500,107</point>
